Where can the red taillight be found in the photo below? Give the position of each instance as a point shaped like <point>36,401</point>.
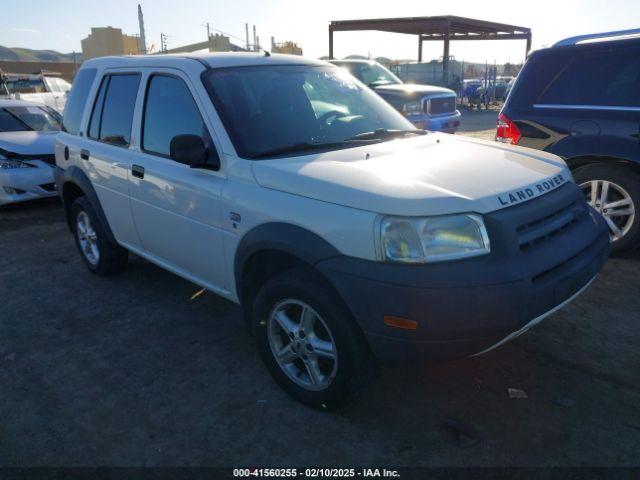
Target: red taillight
<point>507,131</point>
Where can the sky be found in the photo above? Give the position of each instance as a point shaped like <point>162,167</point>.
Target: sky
<point>60,25</point>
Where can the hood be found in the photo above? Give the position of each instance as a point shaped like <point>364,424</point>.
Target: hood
<point>427,175</point>
<point>27,143</point>
<point>411,89</point>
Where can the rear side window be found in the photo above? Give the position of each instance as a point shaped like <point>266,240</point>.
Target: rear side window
<point>170,110</point>
<point>77,99</point>
<point>112,114</point>
<point>96,114</point>
<point>602,79</point>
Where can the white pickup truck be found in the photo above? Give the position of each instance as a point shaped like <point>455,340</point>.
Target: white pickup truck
<point>346,234</point>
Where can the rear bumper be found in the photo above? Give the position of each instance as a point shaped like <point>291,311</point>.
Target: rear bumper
<point>440,123</point>
<point>467,307</point>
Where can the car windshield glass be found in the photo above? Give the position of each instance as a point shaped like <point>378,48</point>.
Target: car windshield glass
<point>25,85</point>
<point>28,118</point>
<point>276,108</point>
<point>371,74</point>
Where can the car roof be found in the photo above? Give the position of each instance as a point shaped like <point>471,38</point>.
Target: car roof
<point>353,60</point>
<point>212,60</point>
<point>596,44</point>
<point>10,102</point>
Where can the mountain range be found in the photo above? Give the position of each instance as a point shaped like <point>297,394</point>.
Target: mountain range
<point>28,55</point>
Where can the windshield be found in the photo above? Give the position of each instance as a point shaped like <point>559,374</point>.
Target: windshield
<point>372,74</point>
<point>271,108</point>
<point>57,85</point>
<point>26,119</point>
<point>25,85</point>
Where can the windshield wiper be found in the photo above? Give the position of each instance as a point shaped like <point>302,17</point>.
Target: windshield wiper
<point>310,147</point>
<point>384,133</point>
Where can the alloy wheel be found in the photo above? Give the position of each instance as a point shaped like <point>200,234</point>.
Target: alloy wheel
<point>87,238</point>
<point>614,203</point>
<point>302,344</point>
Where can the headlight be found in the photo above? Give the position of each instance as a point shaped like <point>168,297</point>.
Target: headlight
<point>432,239</point>
<point>7,164</point>
<point>412,107</point>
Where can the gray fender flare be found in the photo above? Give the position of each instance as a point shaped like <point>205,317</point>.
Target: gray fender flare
<point>297,241</point>
<point>80,179</point>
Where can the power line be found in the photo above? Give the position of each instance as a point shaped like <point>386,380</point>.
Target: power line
<point>242,40</point>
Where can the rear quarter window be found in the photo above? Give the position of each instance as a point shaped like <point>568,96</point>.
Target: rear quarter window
<point>538,72</point>
<point>77,99</point>
<point>610,78</point>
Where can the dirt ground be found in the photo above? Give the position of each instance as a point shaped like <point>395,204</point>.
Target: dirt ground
<point>479,123</point>
<point>130,370</point>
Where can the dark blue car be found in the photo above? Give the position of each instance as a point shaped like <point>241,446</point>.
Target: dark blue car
<point>580,99</point>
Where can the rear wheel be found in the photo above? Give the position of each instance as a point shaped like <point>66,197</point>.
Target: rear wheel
<point>101,255</point>
<point>309,341</point>
<point>615,193</point>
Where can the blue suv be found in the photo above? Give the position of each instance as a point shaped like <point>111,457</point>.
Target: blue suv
<point>426,106</point>
<point>580,99</point>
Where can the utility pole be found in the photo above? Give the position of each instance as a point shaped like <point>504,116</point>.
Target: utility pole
<point>143,41</point>
<point>255,43</point>
<point>163,43</point>
<point>208,31</point>
<point>246,34</point>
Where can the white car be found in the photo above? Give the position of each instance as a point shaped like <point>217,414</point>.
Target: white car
<point>49,90</point>
<point>27,140</point>
<point>287,186</point>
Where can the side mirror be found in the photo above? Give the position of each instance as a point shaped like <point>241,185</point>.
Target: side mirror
<point>191,150</point>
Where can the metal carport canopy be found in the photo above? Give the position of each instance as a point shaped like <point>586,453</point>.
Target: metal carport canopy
<point>445,28</point>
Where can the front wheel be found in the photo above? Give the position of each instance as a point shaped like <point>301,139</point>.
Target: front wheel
<point>309,341</point>
<point>101,255</point>
<point>614,192</point>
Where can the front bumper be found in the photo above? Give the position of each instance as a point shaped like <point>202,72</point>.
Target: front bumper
<point>440,123</point>
<point>23,184</point>
<point>469,306</point>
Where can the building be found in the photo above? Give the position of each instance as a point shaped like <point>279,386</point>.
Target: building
<point>219,43</point>
<point>66,70</point>
<point>216,43</point>
<point>288,47</point>
<point>103,41</point>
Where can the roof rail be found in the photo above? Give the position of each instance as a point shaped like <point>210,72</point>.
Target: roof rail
<point>595,36</point>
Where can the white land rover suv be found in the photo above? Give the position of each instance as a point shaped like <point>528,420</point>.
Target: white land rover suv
<point>346,234</point>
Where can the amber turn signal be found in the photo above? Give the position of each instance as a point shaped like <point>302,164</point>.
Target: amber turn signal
<point>399,322</point>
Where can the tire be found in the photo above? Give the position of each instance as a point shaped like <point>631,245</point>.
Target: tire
<point>623,184</point>
<point>337,381</point>
<point>101,256</point>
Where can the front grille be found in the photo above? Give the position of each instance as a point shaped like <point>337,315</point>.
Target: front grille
<point>549,273</point>
<point>442,105</point>
<point>539,230</point>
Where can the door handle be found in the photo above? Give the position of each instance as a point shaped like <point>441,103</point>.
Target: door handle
<point>137,171</point>
<point>84,154</point>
